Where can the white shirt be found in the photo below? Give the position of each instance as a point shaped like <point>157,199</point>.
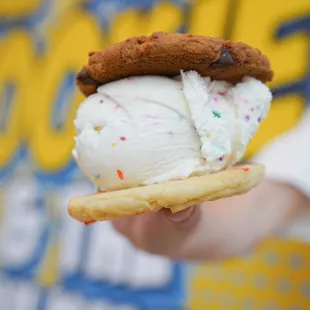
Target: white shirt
<point>287,159</point>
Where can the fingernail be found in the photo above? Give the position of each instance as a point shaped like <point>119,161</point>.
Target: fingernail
<point>181,216</point>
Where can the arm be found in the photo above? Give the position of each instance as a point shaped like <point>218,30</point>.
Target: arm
<point>287,159</point>
<point>215,230</point>
<point>227,227</point>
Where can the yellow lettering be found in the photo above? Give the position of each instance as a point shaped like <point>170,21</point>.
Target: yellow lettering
<point>209,17</point>
<point>69,45</point>
<point>125,25</point>
<point>49,273</point>
<point>262,35</point>
<point>285,112</point>
<point>18,8</point>
<point>15,69</point>
<point>164,16</point>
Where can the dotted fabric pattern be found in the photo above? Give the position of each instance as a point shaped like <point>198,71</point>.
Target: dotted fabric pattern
<point>275,276</point>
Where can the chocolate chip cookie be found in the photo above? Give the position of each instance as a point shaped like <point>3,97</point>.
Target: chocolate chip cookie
<point>167,53</point>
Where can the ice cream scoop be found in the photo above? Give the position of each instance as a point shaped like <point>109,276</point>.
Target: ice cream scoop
<point>152,129</point>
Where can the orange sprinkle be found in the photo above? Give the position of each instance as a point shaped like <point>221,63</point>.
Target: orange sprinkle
<point>245,169</point>
<point>140,213</point>
<point>89,223</point>
<point>120,174</point>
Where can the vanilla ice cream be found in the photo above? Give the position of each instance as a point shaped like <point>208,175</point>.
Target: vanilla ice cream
<point>151,129</point>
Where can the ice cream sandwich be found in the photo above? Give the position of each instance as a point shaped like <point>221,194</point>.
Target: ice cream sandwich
<point>165,122</point>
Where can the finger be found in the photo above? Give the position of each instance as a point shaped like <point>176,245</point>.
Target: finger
<point>122,225</point>
<point>186,218</point>
<point>181,216</point>
<point>160,232</point>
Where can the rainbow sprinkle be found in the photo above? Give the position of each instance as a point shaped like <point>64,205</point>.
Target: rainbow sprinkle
<point>98,128</point>
<point>123,138</point>
<point>120,174</point>
<point>216,114</point>
<point>245,169</point>
<point>142,212</point>
<point>89,223</point>
<point>101,101</point>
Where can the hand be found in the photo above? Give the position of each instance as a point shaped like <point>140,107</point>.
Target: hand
<point>215,230</point>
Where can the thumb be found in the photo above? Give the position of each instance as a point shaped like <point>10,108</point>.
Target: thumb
<point>190,215</point>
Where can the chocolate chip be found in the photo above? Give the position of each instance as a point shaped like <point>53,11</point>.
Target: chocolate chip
<point>85,78</point>
<point>225,58</point>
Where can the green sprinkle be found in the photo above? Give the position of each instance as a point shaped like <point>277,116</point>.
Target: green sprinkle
<point>216,114</point>
<point>181,88</point>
